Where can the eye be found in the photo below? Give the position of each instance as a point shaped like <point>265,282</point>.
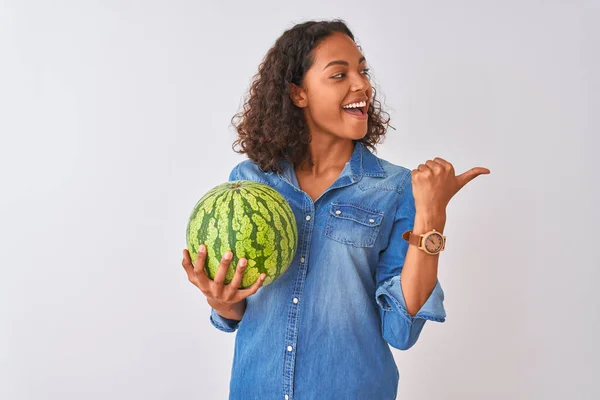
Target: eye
<point>364,71</point>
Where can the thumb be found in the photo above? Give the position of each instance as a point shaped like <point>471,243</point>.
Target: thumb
<point>471,174</point>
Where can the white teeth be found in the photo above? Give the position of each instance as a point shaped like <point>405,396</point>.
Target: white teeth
<point>355,105</point>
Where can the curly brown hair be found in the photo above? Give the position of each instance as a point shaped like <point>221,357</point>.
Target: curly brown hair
<point>271,127</point>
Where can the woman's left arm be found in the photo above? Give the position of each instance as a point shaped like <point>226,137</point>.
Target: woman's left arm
<point>419,274</point>
<point>433,185</point>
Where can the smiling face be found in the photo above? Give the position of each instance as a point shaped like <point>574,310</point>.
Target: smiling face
<point>338,77</point>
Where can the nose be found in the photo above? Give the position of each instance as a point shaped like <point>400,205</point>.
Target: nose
<point>360,83</point>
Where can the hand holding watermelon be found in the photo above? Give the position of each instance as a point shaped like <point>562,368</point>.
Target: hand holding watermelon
<point>219,294</point>
<point>253,220</point>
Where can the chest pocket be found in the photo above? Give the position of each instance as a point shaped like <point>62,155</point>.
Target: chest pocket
<point>353,225</point>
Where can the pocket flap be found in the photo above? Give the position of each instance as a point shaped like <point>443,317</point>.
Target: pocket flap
<point>356,213</point>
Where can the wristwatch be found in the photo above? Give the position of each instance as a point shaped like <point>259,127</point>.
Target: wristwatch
<point>432,242</point>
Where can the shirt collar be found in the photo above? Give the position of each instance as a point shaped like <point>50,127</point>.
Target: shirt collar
<point>362,163</point>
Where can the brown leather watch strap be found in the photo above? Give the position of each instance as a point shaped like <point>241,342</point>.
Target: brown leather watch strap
<point>412,238</point>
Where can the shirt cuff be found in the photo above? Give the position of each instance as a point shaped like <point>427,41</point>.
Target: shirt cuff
<point>223,324</point>
<point>390,297</point>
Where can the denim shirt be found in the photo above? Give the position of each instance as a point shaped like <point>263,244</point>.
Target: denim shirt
<point>321,330</point>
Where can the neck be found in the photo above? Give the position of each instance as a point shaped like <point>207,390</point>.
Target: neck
<point>328,156</point>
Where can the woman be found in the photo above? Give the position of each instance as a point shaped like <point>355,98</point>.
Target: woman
<point>322,329</point>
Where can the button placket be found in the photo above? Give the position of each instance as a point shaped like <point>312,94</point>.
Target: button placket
<point>292,332</point>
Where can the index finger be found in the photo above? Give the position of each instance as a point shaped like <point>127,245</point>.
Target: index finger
<point>199,269</point>
<point>187,263</point>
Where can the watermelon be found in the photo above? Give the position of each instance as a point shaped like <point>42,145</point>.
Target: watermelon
<point>253,221</point>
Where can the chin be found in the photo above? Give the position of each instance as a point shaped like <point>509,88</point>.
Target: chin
<point>361,135</point>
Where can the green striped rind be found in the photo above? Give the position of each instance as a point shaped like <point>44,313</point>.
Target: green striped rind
<point>253,221</point>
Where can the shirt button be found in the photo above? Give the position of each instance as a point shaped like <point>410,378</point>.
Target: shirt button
<point>371,220</point>
<point>295,300</point>
<point>287,397</point>
<point>289,348</point>
<point>302,260</point>
<point>338,212</point>
<point>308,217</point>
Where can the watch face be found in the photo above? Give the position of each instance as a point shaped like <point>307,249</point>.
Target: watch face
<point>434,243</point>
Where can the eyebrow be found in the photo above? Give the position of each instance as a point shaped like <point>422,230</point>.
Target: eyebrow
<point>342,62</point>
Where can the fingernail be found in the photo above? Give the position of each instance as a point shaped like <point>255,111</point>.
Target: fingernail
<point>262,277</point>
<point>243,262</point>
<point>228,255</point>
<point>201,248</point>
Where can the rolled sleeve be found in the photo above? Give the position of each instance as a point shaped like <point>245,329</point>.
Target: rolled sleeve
<point>223,324</point>
<point>400,329</point>
<point>391,298</point>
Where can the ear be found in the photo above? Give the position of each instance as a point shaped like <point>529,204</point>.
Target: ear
<point>298,96</point>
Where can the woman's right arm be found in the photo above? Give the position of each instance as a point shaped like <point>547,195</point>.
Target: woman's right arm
<point>234,311</point>
<point>228,300</point>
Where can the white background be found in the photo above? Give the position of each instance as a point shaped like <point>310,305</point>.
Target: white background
<point>115,119</point>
